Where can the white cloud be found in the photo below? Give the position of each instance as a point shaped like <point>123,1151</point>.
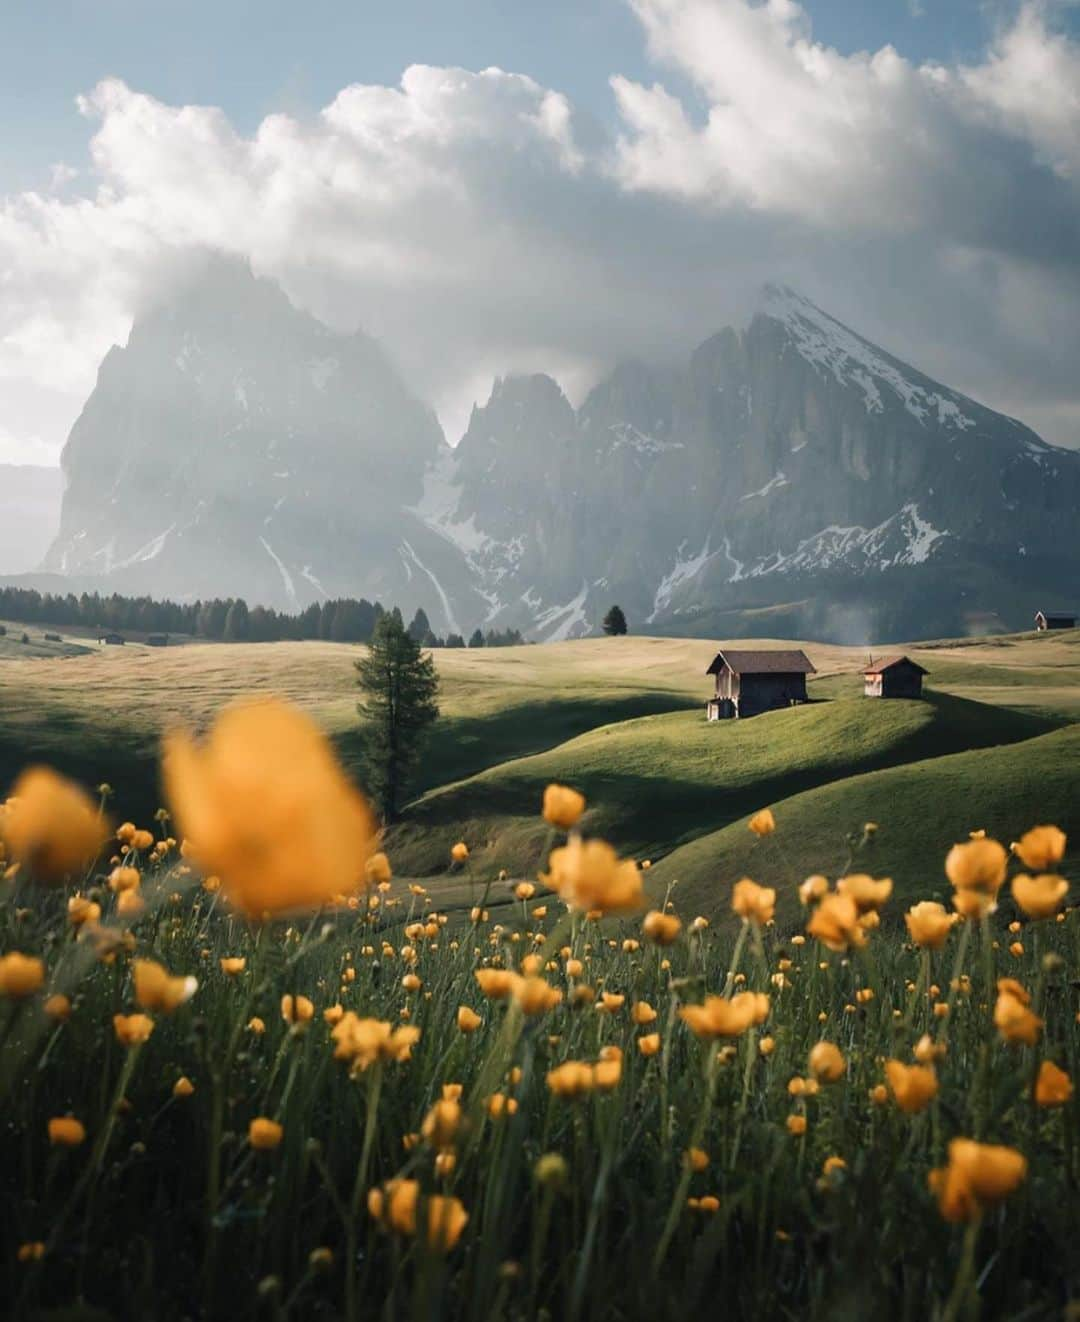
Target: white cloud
<point>476,225</point>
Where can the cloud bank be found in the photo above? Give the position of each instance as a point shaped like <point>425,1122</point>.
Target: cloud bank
<point>478,225</point>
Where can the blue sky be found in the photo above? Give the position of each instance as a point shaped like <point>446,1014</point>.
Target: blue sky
<point>253,57</point>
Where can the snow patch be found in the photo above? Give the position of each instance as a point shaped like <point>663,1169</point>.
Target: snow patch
<point>448,610</point>
<point>779,480</point>
<point>286,577</point>
<point>683,572</point>
<point>306,573</point>
<point>149,551</point>
<point>569,620</point>
<point>628,437</point>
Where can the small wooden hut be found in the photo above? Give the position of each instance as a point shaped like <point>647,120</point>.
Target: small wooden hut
<point>893,677</point>
<point>751,682</point>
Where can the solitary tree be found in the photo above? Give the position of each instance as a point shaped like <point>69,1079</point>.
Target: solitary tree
<point>400,701</point>
<point>614,621</point>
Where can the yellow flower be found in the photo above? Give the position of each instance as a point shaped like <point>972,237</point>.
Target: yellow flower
<point>411,983</point>
<point>459,852</point>
<point>913,1086</point>
<point>826,1062</point>
<point>766,1046</point>
<point>183,1087</point>
<point>132,1030</point>
<point>297,1009</point>
<point>589,875</point>
<point>32,1251</point>
<point>496,984</point>
<point>796,1125</point>
<point>608,1069</point>
<point>869,895</point>
<point>498,1105</point>
<point>468,1021</point>
<point>395,1207</point>
<point>662,928</point>
<point>649,1045</point>
<point>333,1014</point>
<point>641,1012</point>
<point>363,1042</point>
<point>1039,896</point>
<point>155,989</point>
<point>524,890</point>
<point>265,806</point>
<point>697,1159</point>
<point>124,879</point>
<point>611,1002</point>
<point>1053,1087</point>
<point>256,1026</point>
<point>58,1008</point>
<point>563,806</point>
<point>1014,1021</point>
<point>762,823</point>
<point>720,1017</point>
<point>929,924</point>
<point>832,1164</point>
<point>835,923</point>
<point>80,910</point>
<point>706,1203</point>
<point>20,975</point>
<point>441,1124</point>
<point>1041,848</point>
<point>377,870</point>
<point>976,869</point>
<point>264,1134</point>
<point>927,1050</point>
<point>573,1078</point>
<point>535,995</point>
<point>231,965</point>
<point>51,826</point>
<point>66,1132</point>
<point>978,1176</point>
<point>813,889</point>
<point>755,903</point>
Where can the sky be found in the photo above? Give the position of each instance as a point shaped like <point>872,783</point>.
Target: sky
<point>497,185</point>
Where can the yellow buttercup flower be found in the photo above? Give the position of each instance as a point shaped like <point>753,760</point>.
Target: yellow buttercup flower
<point>468,1021</point>
<point>442,1122</point>
<point>50,826</point>
<point>1053,1087</point>
<point>762,823</point>
<point>132,1030</point>
<point>796,1125</point>
<point>720,1017</point>
<point>641,1012</point>
<point>978,1176</point>
<point>929,924</point>
<point>661,928</point>
<point>757,904</point>
<point>363,1042</point>
<point>66,1132</point>
<point>826,1062</point>
<point>913,1086</point>
<point>535,995</point>
<point>589,875</point>
<point>264,805</point>
<point>869,894</point>
<point>573,1078</point>
<point>649,1045</point>
<point>459,852</point>
<point>20,975</point>
<point>976,869</point>
<point>378,870</point>
<point>496,984</point>
<point>264,1134</point>
<point>396,1207</point>
<point>813,889</point>
<point>835,923</point>
<point>1039,896</point>
<point>156,989</point>
<point>297,1009</point>
<point>563,806</point>
<point>1012,1018</point>
<point>1041,848</point>
<point>231,965</point>
<point>183,1087</point>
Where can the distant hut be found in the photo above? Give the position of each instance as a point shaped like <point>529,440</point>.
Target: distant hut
<point>1043,621</point>
<point>893,677</point>
<point>112,639</point>
<point>751,682</point>
<point>52,638</point>
<point>157,640</point>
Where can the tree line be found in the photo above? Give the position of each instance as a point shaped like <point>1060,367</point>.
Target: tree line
<point>341,620</point>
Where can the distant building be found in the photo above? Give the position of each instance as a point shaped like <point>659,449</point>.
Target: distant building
<point>157,640</point>
<point>52,638</point>
<point>1044,621</point>
<point>893,677</point>
<point>112,639</point>
<point>749,683</point>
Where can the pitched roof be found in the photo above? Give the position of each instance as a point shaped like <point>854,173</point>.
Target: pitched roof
<point>887,663</point>
<point>776,661</point>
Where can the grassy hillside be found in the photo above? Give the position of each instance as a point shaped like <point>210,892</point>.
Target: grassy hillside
<point>921,809</point>
<point>662,780</point>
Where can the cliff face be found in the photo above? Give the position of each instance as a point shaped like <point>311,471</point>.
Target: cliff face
<point>790,477</point>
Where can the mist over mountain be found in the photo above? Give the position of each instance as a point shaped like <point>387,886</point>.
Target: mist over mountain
<point>789,478</point>
<point>29,514</point>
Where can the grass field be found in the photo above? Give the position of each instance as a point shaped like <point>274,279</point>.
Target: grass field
<point>336,1114</point>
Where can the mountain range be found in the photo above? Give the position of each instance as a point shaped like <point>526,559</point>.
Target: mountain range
<point>789,478</point>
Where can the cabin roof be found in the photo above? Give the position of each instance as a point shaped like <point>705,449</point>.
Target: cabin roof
<point>775,661</point>
<point>888,662</point>
<point>1055,615</point>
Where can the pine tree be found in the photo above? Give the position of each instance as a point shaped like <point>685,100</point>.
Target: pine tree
<point>420,625</point>
<point>614,621</point>
<point>236,621</point>
<point>401,689</point>
<point>477,638</point>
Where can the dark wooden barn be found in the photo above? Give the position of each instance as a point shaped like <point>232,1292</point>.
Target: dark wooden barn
<point>751,682</point>
<point>1043,621</point>
<point>112,639</point>
<point>893,677</point>
<point>157,640</point>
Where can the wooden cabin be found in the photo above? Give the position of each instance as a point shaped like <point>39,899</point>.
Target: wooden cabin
<point>112,639</point>
<point>893,677</point>
<point>157,640</point>
<point>751,682</point>
<point>1044,621</point>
